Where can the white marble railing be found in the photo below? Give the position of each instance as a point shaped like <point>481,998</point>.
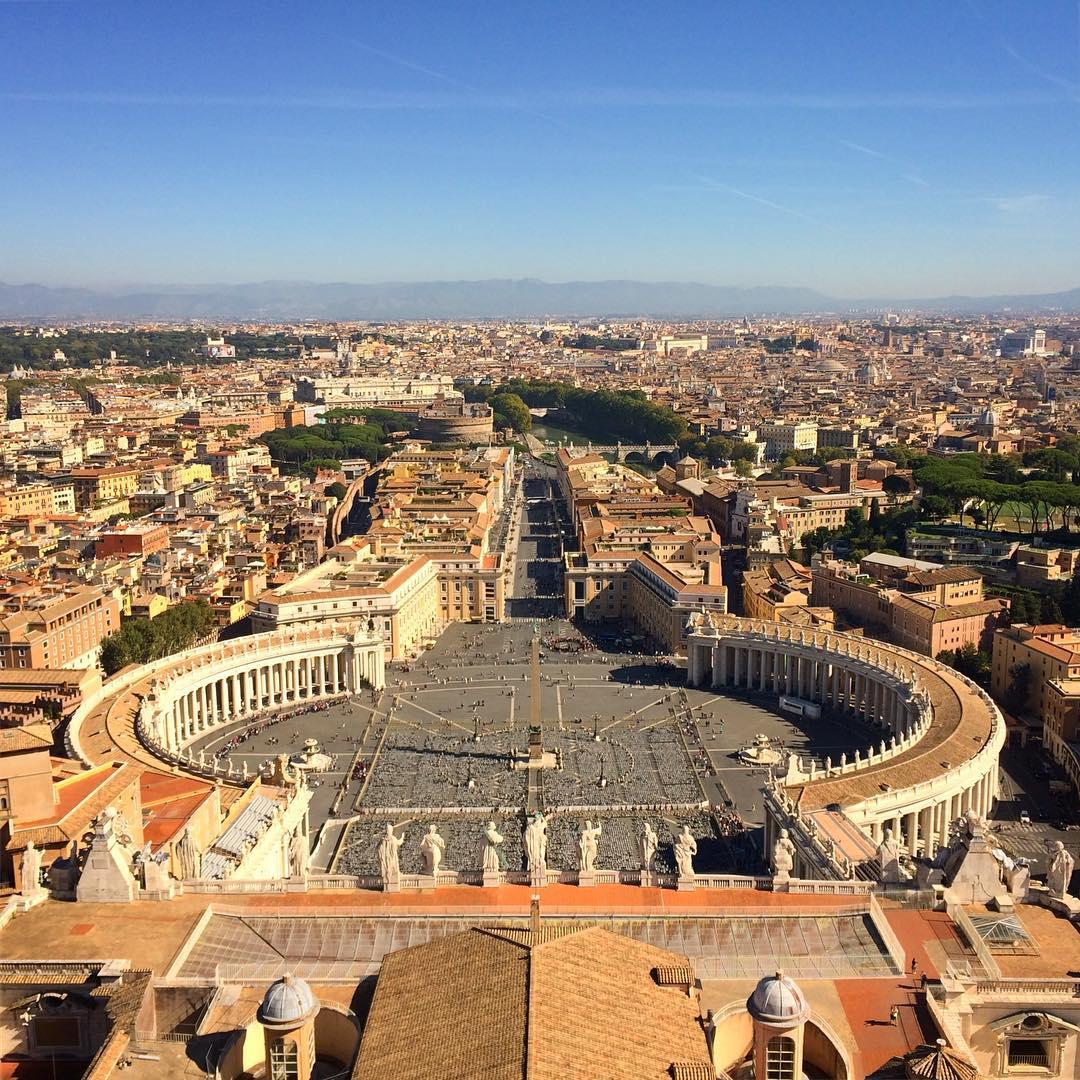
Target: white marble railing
<point>1027,989</point>
<point>418,882</point>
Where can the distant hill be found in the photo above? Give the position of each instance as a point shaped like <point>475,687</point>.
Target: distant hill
<point>497,298</point>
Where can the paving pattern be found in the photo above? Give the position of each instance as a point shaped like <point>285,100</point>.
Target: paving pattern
<point>351,947</point>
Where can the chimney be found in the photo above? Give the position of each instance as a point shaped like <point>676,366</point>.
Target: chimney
<point>534,918</point>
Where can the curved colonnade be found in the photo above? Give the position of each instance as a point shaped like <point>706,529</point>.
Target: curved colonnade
<point>164,706</point>
<point>945,733</point>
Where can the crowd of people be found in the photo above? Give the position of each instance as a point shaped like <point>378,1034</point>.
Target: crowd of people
<point>264,722</point>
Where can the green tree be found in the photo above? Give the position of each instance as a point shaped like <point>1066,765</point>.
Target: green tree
<point>1016,693</point>
<point>138,641</point>
<point>512,412</point>
<point>1070,600</point>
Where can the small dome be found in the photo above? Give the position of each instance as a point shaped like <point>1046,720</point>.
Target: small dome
<point>833,366</point>
<point>687,460</point>
<point>287,1001</point>
<point>938,1062</point>
<point>776,1000</point>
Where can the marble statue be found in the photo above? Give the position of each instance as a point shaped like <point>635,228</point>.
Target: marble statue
<point>433,847</point>
<point>1060,873</point>
<point>536,843</point>
<point>588,845</point>
<point>648,844</point>
<point>389,846</point>
<point>888,854</point>
<point>299,855</point>
<point>188,858</point>
<point>685,850</point>
<point>783,855</point>
<point>492,839</point>
<point>31,870</point>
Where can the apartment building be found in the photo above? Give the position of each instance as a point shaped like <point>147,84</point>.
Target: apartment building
<point>233,464</point>
<point>779,591</point>
<point>643,560</point>
<point>137,538</point>
<point>1050,652</point>
<point>37,500</point>
<point>56,630</point>
<point>1045,660</point>
<point>783,438</point>
<point>377,392</point>
<point>409,600</point>
<point>920,606</point>
<point>96,486</point>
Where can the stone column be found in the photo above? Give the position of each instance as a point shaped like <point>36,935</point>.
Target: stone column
<point>723,666</point>
<point>941,823</point>
<point>926,830</point>
<point>912,823</point>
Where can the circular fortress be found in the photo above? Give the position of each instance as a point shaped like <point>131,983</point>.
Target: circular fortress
<point>460,422</point>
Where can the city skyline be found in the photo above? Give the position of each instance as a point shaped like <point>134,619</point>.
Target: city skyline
<point>928,153</point>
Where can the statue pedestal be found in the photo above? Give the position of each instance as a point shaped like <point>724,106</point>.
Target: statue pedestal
<point>780,881</point>
<point>428,881</point>
<point>537,879</point>
<point>649,879</point>
<point>686,884</point>
<point>492,879</point>
<point>25,901</point>
<point>587,878</point>
<point>1069,906</point>
<point>393,885</point>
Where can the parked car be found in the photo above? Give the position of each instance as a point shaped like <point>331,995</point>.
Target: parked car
<point>1025,818</point>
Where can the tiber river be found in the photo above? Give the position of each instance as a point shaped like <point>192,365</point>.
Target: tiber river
<point>552,433</point>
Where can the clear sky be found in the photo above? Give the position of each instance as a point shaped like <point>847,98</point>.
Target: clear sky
<point>862,148</point>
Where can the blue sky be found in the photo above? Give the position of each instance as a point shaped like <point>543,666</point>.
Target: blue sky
<point>912,149</point>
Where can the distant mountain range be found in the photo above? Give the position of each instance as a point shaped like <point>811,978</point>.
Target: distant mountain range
<point>498,298</point>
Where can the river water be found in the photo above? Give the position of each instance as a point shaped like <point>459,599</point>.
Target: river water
<point>546,432</point>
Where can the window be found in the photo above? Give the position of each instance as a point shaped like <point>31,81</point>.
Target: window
<point>284,1061</point>
<point>56,1032</point>
<point>1028,1053</point>
<point>780,1058</point>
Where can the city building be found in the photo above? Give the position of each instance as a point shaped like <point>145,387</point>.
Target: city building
<point>921,606</point>
<point>783,438</point>
<point>56,630</point>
